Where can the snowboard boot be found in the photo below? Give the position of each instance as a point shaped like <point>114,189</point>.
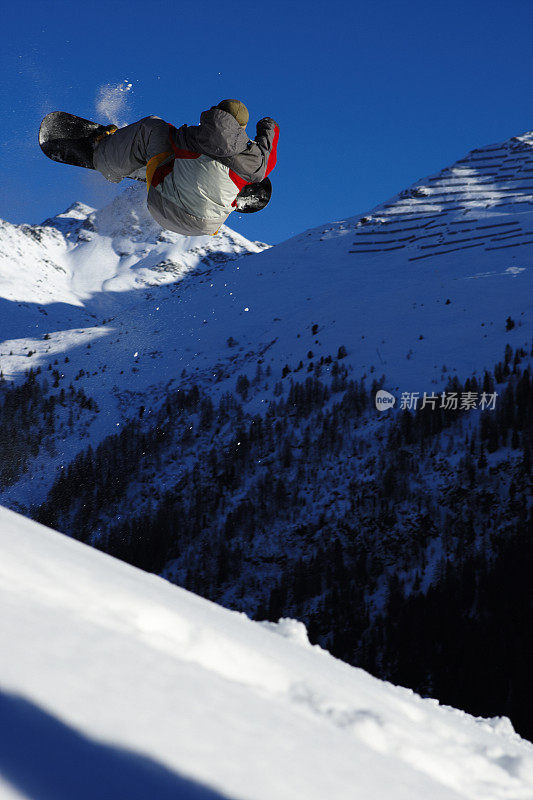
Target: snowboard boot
<point>84,147</point>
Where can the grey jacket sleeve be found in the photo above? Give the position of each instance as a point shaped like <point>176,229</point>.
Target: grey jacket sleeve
<point>259,158</point>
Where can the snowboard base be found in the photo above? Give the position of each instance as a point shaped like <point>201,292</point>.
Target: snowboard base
<point>59,138</point>
<point>254,197</point>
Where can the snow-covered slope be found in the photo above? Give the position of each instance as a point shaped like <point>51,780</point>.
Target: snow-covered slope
<point>78,255</point>
<point>63,277</point>
<point>419,289</point>
<point>428,278</point>
<point>117,684</point>
<point>102,280</point>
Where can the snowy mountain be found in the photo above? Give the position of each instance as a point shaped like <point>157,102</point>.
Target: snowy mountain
<point>112,251</point>
<point>205,409</point>
<point>109,280</point>
<point>427,279</point>
<point>117,684</point>
<point>420,288</point>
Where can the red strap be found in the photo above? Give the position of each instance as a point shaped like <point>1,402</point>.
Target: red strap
<point>183,153</point>
<point>165,169</point>
<point>162,172</point>
<point>237,180</point>
<point>239,183</point>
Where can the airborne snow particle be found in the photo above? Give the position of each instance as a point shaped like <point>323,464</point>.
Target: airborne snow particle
<point>111,102</point>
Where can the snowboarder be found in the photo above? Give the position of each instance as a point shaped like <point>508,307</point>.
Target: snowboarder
<point>193,173</point>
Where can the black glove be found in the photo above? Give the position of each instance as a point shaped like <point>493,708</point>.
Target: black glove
<point>266,122</point>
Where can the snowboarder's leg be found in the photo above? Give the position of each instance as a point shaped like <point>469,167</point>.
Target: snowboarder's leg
<point>131,148</point>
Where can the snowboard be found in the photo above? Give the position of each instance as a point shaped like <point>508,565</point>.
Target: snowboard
<point>59,138</point>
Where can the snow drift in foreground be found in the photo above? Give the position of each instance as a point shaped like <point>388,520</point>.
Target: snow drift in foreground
<point>116,684</point>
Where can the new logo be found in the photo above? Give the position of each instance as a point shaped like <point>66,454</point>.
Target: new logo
<point>384,400</point>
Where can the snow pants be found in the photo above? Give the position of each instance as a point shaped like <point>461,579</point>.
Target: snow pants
<point>129,150</point>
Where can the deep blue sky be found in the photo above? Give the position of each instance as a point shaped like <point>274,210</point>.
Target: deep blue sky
<point>369,96</point>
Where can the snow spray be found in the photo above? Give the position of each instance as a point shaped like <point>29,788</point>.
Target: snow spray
<point>112,102</point>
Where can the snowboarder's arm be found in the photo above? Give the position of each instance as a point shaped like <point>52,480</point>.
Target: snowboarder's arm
<point>267,140</point>
<point>260,157</point>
